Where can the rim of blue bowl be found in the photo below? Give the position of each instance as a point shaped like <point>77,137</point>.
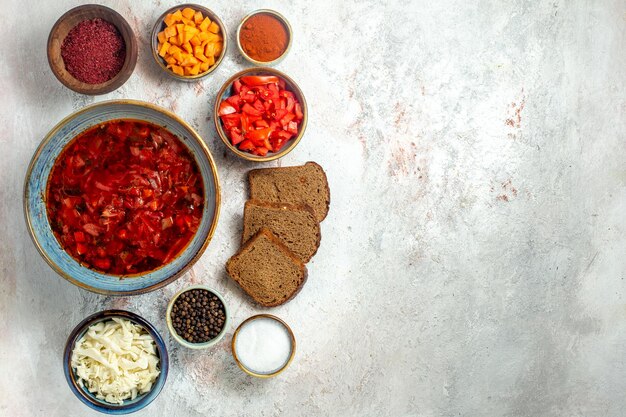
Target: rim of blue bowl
<point>166,280</point>
<point>89,399</point>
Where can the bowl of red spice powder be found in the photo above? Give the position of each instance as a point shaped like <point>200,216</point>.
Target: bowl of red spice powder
<point>264,37</point>
<point>92,49</point>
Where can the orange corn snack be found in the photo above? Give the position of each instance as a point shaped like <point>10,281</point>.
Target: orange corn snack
<point>190,43</point>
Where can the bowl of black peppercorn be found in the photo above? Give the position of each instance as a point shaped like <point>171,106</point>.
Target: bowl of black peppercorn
<point>197,317</point>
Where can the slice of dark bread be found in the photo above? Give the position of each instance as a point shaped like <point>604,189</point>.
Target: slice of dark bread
<point>306,184</point>
<point>267,270</point>
<point>294,225</point>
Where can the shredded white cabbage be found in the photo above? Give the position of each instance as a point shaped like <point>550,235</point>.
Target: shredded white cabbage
<point>116,360</point>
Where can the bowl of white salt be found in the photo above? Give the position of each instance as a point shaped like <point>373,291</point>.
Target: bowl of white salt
<point>263,346</point>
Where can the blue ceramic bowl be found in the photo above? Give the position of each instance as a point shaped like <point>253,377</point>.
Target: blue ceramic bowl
<point>35,198</point>
<point>129,406</point>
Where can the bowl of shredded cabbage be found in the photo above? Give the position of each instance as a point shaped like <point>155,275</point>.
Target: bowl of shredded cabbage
<point>115,362</point>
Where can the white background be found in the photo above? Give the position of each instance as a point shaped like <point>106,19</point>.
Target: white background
<point>472,263</point>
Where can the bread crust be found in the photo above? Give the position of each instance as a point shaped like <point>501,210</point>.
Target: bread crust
<point>275,240</point>
<point>327,187</point>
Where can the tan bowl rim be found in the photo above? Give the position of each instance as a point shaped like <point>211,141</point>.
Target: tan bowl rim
<point>192,261</point>
<point>293,142</point>
<point>291,336</point>
<point>105,87</point>
<point>182,341</point>
<point>285,23</point>
<point>159,24</point>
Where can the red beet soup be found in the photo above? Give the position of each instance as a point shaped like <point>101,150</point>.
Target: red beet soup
<point>125,197</point>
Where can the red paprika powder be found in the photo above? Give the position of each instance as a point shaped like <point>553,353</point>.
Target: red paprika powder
<point>263,37</point>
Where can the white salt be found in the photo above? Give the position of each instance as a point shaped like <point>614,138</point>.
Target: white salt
<point>263,345</point>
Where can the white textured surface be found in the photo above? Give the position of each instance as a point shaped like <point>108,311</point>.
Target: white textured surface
<point>472,263</point>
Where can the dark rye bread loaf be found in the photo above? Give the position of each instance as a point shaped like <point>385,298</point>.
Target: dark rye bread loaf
<point>306,184</point>
<point>265,269</point>
<point>294,225</point>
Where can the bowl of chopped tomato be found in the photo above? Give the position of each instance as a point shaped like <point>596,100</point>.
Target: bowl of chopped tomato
<point>121,197</point>
<point>260,114</point>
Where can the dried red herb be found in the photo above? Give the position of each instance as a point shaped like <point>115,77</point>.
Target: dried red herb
<point>94,51</point>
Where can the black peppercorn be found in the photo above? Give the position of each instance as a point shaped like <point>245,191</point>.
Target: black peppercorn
<point>198,316</point>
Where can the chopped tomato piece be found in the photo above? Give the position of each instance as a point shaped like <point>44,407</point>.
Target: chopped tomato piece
<point>259,134</point>
<point>226,108</point>
<point>243,90</point>
<point>292,127</point>
<point>246,145</point>
<point>274,125</point>
<point>287,118</point>
<point>245,124</point>
<point>235,136</point>
<point>274,93</point>
<point>298,111</point>
<point>277,142</point>
<point>231,120</point>
<point>287,94</point>
<point>279,114</point>
<point>262,92</point>
<point>248,97</point>
<point>254,80</point>
<point>235,101</point>
<point>259,106</point>
<point>261,151</point>
<point>247,108</point>
<point>284,134</point>
<point>290,103</point>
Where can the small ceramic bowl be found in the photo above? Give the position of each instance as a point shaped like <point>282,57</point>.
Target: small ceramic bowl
<point>39,172</point>
<point>282,20</point>
<point>252,372</point>
<point>160,25</point>
<point>179,339</point>
<point>66,23</point>
<point>129,406</point>
<point>225,92</point>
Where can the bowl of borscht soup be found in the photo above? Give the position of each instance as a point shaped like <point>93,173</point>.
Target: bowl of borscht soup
<point>121,197</point>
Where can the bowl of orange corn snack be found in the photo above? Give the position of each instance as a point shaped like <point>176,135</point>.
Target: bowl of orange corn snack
<point>189,41</point>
